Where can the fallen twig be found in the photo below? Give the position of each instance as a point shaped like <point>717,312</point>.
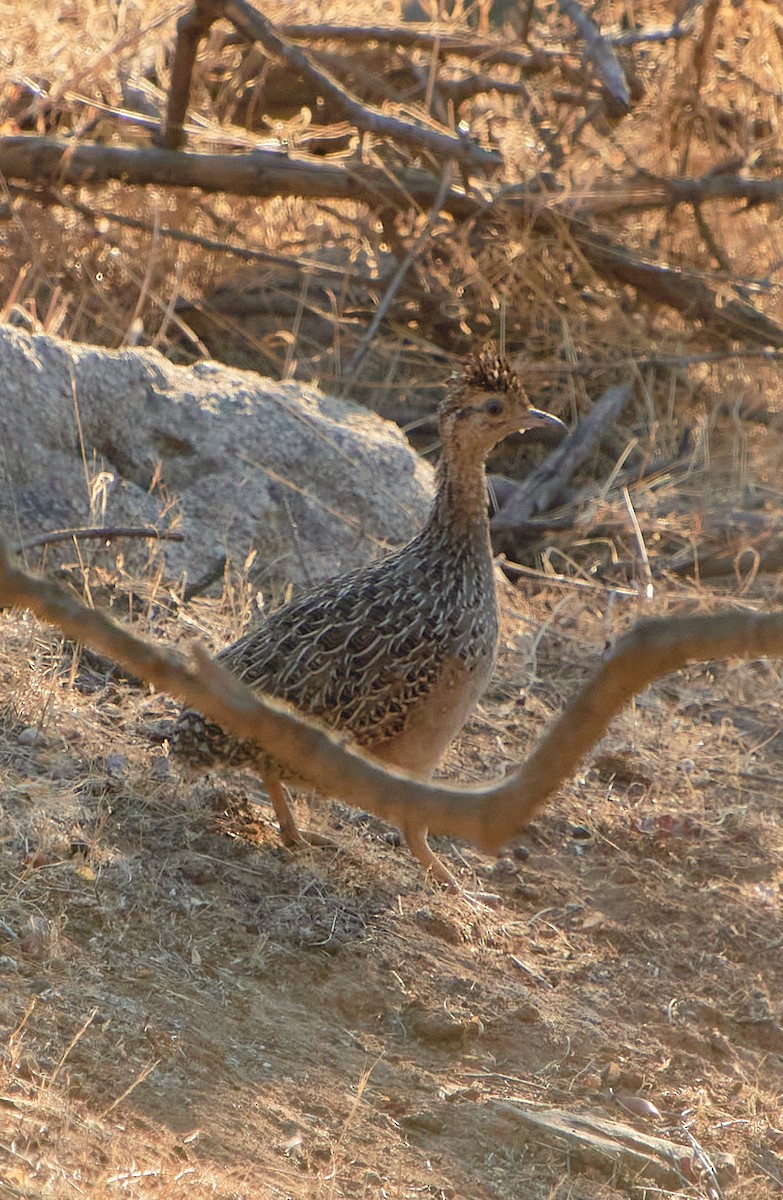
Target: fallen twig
<point>644,559</point>
<point>514,571</point>
<point>472,46</point>
<point>105,533</point>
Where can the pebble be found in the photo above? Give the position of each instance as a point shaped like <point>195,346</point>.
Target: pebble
<point>31,736</point>
<point>36,937</point>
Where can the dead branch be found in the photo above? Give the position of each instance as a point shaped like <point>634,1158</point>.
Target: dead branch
<point>263,173</point>
<point>106,533</point>
<point>193,27</point>
<point>678,362</point>
<point>423,36</point>
<point>487,49</point>
<point>650,192</point>
<point>269,173</point>
<point>710,241</point>
<point>542,488</point>
<point>486,816</point>
<point>639,37</point>
<point>476,83</point>
<point>600,53</point>
<point>732,542</point>
<point>681,290</point>
<point>604,1146</point>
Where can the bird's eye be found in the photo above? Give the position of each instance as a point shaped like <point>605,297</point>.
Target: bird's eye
<point>494,408</point>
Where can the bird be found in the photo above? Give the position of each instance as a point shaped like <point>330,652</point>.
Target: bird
<point>393,655</point>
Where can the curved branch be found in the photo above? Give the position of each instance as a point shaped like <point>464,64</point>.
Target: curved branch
<point>487,816</point>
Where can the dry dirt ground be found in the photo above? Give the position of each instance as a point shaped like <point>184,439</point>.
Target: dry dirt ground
<point>189,1009</point>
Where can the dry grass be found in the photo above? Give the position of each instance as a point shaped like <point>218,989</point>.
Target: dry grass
<point>187,1009</point>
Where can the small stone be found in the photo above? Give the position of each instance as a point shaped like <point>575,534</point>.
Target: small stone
<point>40,987</point>
<point>521,853</point>
<point>725,1167</point>
<point>426,1122</point>
<point>441,1028</point>
<point>160,768</point>
<point>116,766</point>
<point>504,866</point>
<point>37,937</point>
<point>580,833</point>
<point>612,1074</point>
<point>31,736</point>
<point>640,1106</point>
<point>526,891</point>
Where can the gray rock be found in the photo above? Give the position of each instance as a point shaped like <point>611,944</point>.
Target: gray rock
<point>233,461</point>
<point>31,736</point>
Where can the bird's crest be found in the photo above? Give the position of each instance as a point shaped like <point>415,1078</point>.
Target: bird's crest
<point>490,372</point>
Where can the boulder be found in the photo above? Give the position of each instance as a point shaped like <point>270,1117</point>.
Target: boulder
<point>232,461</point>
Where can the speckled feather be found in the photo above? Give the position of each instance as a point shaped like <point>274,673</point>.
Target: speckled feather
<point>365,652</point>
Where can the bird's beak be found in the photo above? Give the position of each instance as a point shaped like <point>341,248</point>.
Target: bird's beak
<point>548,428</point>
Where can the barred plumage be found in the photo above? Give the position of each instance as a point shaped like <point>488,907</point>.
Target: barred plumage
<point>397,653</point>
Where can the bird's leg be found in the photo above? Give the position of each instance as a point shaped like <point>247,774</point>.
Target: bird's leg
<point>416,837</point>
<point>290,833</point>
<point>289,830</point>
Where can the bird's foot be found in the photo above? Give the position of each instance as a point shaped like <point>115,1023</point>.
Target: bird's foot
<point>304,837</point>
<point>416,837</point>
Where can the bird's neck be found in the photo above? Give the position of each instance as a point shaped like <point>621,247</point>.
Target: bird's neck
<point>461,500</point>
